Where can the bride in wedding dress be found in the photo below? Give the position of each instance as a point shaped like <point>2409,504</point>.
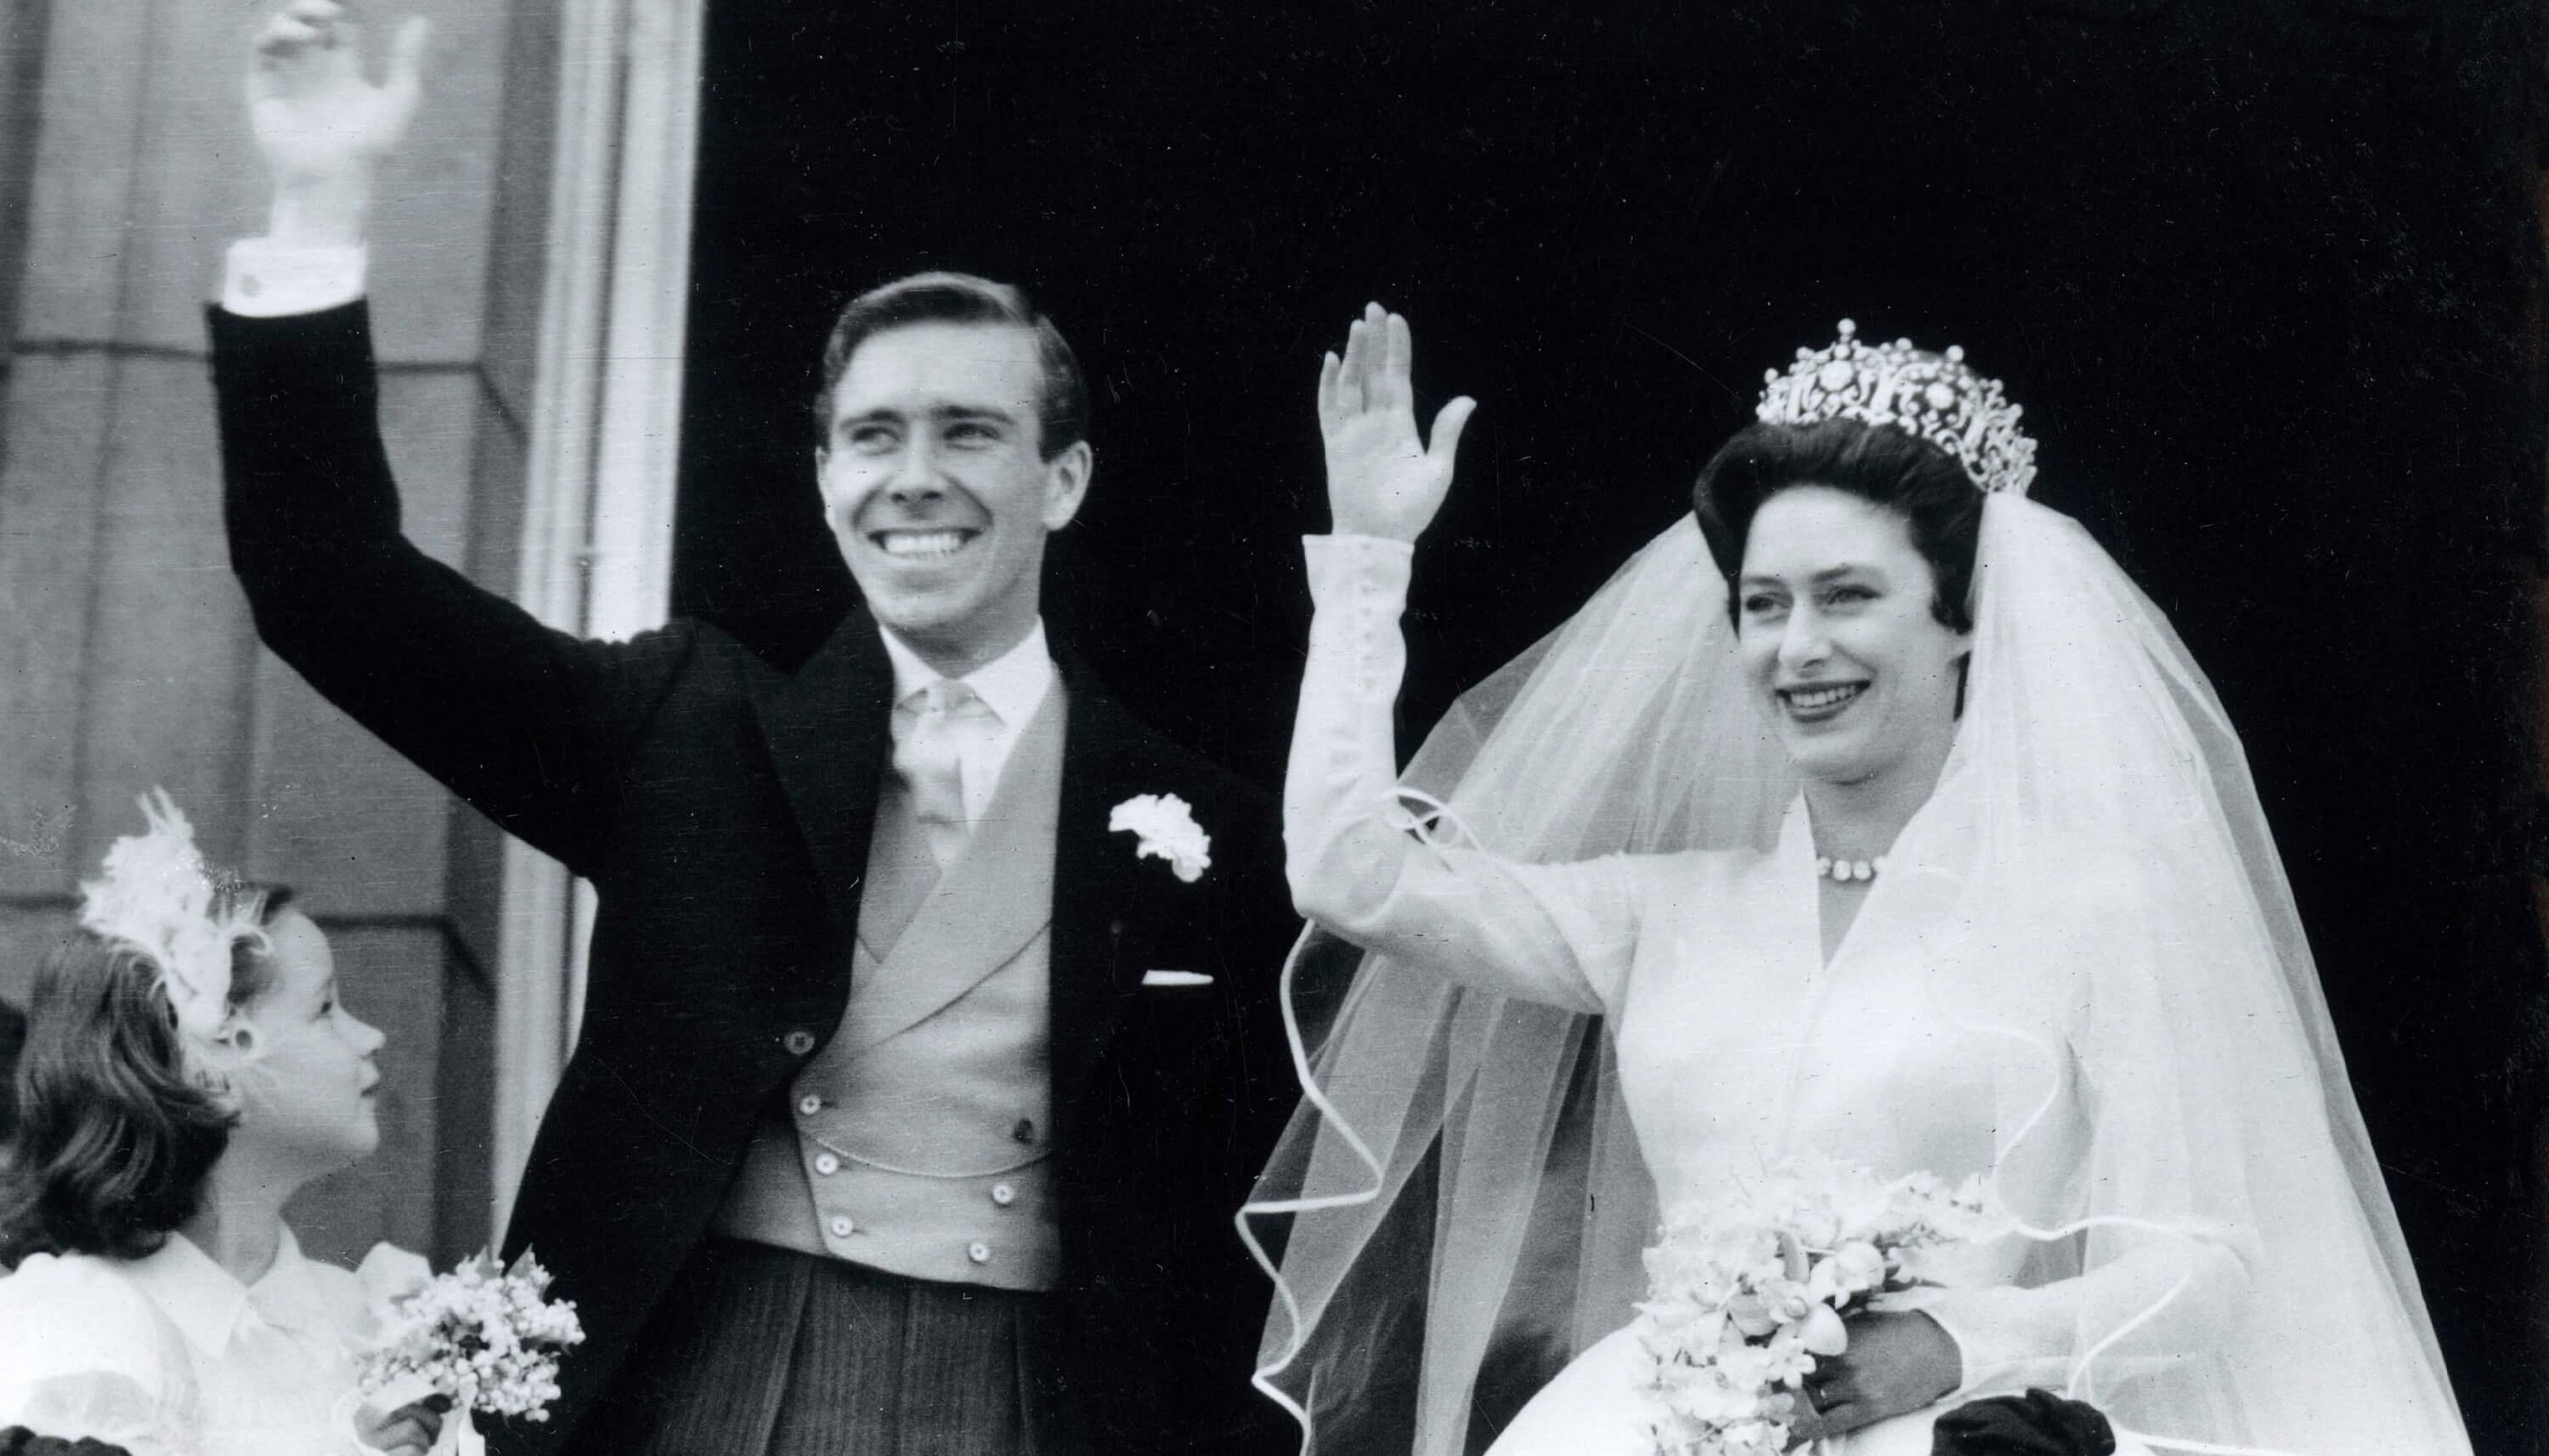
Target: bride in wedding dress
<point>1869,817</point>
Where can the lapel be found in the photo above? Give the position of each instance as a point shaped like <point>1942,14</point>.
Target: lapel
<point>900,874</point>
<point>990,905</point>
<point>826,729</point>
<point>1098,884</point>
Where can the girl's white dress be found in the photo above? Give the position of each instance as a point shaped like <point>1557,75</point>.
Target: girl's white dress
<point>1741,1045</point>
<point>169,1355</point>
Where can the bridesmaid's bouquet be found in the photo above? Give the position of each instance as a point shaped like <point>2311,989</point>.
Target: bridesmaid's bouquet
<point>485,1336</point>
<point>1746,1289</point>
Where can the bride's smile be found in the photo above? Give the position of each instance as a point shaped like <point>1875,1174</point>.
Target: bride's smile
<point>1819,702</point>
<point>1839,633</point>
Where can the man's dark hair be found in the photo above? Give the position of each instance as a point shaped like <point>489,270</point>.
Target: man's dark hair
<point>1062,411</point>
<point>1916,480</point>
<point>115,1139</point>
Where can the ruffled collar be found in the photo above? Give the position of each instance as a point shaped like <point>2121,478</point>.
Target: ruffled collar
<point>210,1307</point>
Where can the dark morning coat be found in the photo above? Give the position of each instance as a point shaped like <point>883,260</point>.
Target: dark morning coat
<point>721,808</point>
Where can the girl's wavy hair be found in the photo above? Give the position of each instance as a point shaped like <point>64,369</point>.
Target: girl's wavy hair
<point>115,1139</point>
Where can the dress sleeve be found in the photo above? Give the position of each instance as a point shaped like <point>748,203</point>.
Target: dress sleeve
<point>82,1355</point>
<point>2157,1269</point>
<point>2013,1338</point>
<point>1562,933</point>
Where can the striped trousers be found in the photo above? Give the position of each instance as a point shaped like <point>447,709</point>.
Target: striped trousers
<point>763,1351</point>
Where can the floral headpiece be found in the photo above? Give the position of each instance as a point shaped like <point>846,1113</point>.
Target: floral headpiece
<point>1930,397</point>
<point>157,897</point>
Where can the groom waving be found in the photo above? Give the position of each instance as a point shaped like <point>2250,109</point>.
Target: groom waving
<point>912,1098</point>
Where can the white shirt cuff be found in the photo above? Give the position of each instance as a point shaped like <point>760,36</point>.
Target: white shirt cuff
<point>263,279</point>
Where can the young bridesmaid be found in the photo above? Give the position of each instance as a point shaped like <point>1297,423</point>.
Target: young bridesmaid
<point>189,1065</point>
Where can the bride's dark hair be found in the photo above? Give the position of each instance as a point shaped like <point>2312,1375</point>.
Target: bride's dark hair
<point>1914,479</point>
<point>114,1138</point>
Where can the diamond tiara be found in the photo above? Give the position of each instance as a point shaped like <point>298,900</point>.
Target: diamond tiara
<point>1930,397</point>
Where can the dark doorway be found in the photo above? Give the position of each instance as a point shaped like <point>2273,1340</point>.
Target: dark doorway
<point>2259,272</point>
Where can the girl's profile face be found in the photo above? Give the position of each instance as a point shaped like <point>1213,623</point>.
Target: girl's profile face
<point>1833,617</point>
<point>305,1087</point>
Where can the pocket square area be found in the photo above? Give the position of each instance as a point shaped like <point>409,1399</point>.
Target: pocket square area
<point>1176,978</point>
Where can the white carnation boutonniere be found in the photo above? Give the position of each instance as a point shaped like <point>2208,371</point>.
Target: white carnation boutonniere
<point>1165,826</point>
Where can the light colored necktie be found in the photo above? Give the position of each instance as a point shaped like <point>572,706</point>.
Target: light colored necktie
<point>933,767</point>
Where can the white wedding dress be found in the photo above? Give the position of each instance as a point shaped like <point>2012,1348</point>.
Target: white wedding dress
<point>1926,1041</point>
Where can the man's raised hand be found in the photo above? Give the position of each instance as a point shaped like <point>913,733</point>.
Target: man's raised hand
<point>1384,479</point>
<point>319,121</point>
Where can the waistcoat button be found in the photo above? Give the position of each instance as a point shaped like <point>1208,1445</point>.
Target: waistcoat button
<point>842,1228</point>
<point>799,1042</point>
<point>809,1104</point>
<point>826,1164</point>
<point>980,1253</point>
<point>1004,1194</point>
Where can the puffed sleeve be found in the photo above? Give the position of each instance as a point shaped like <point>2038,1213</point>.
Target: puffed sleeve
<point>83,1355</point>
<point>387,1274</point>
<point>1562,933</point>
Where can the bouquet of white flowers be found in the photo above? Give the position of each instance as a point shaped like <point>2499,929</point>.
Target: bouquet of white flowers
<point>485,1335</point>
<point>1744,1289</point>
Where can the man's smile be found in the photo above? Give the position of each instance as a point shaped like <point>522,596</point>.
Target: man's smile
<point>934,544</point>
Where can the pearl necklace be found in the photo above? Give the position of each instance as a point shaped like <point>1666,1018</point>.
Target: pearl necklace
<point>1844,871</point>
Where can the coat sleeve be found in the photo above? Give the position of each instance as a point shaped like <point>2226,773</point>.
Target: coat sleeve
<point>533,726</point>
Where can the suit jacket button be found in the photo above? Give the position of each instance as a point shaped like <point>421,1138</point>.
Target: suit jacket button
<point>826,1164</point>
<point>842,1228</point>
<point>980,1253</point>
<point>1004,1194</point>
<point>799,1042</point>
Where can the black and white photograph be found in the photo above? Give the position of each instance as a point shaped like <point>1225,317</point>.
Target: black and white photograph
<point>1324,729</point>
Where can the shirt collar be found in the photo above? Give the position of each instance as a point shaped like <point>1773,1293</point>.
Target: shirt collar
<point>1013,685</point>
<point>207,1304</point>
